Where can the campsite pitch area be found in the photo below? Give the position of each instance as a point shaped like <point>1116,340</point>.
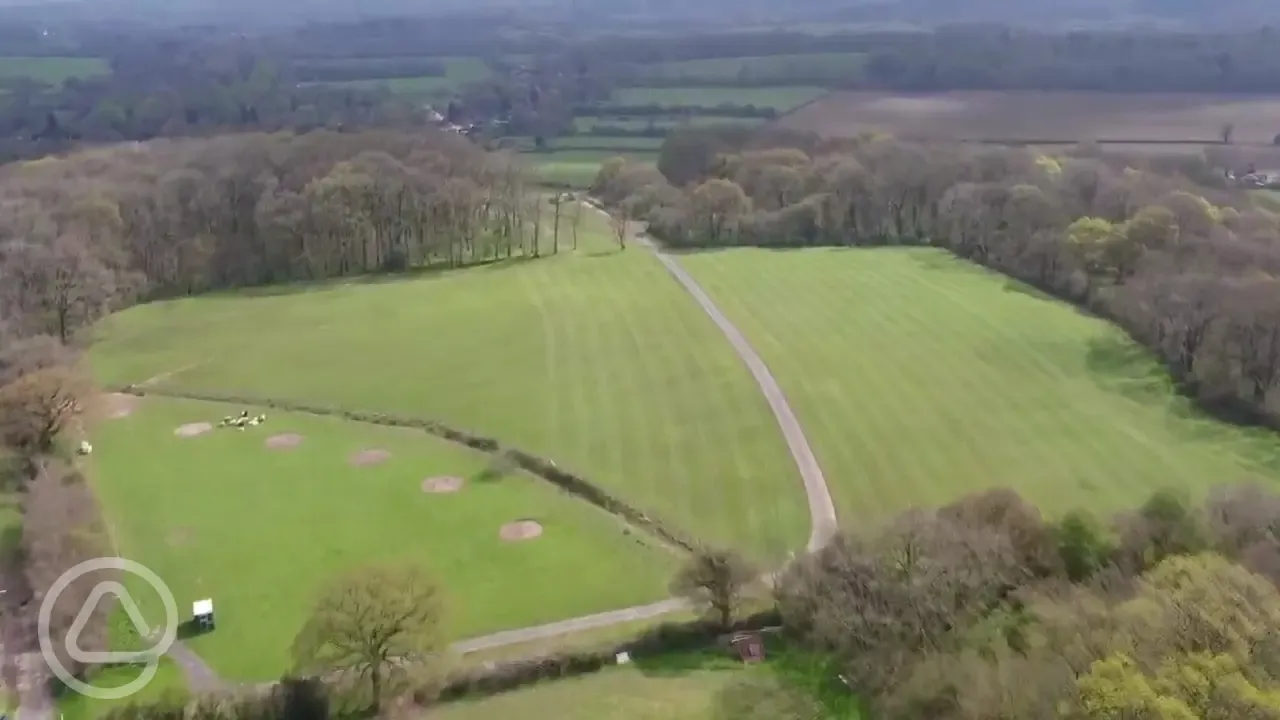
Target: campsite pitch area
<point>595,359</point>
<point>258,529</point>
<point>919,378</point>
<point>1048,116</point>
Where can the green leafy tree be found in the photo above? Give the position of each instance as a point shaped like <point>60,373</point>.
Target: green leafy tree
<point>1083,545</point>
<point>374,621</point>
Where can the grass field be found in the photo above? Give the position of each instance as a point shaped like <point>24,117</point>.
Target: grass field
<point>831,67</point>
<point>459,70</point>
<point>53,70</point>
<point>577,168</point>
<point>222,516</point>
<point>781,98</point>
<point>918,378</point>
<point>596,359</point>
<point>1187,117</point>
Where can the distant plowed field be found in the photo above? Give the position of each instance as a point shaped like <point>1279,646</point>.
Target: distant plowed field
<point>1044,116</point>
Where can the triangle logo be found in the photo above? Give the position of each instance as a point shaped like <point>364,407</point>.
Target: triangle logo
<point>90,657</point>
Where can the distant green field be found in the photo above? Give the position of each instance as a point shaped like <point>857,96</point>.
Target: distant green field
<point>663,122</point>
<point>780,98</point>
<point>825,68</point>
<point>459,70</point>
<point>52,70</point>
<point>258,530</point>
<point>624,143</point>
<point>577,168</point>
<point>919,378</point>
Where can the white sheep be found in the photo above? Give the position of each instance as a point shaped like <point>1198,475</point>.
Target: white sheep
<point>85,447</point>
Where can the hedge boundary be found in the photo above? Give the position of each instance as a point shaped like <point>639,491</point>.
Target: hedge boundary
<point>667,637</point>
<point>545,469</point>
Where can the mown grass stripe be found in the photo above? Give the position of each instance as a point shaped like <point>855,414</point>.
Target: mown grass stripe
<point>919,378</point>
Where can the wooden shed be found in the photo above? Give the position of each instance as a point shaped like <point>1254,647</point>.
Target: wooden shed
<point>750,646</point>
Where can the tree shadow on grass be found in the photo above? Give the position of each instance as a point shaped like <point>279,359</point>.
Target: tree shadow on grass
<point>937,260</point>
<point>1021,288</point>
<point>1119,365</point>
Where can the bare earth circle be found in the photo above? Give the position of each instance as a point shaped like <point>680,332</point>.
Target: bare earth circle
<point>445,484</point>
<point>371,456</point>
<point>520,530</point>
<point>284,441</point>
<point>119,405</point>
<point>193,429</point>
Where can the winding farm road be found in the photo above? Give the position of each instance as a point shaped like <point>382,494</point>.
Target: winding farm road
<point>822,513</point>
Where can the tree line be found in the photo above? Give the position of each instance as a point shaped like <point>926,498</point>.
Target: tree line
<point>158,87</point>
<point>985,57</point>
<point>192,81</point>
<point>1160,245</point>
<point>185,216</point>
<point>93,232</point>
<point>984,609</point>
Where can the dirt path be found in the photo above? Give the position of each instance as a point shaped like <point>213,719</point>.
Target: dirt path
<point>572,625</point>
<point>199,676</point>
<point>822,511</point>
<point>157,379</point>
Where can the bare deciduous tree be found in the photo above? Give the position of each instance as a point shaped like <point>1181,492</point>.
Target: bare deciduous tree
<point>715,580</point>
<point>37,406</point>
<point>619,222</point>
